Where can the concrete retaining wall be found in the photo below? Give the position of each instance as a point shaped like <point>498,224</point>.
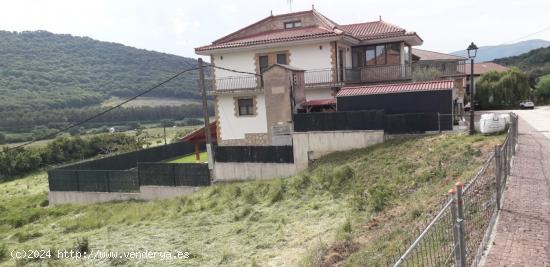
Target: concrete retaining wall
<point>307,146</point>
<point>237,171</point>
<point>313,145</point>
<point>146,193</point>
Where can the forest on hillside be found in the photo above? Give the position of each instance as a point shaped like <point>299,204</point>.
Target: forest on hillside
<point>40,70</point>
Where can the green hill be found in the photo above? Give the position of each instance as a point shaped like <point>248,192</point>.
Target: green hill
<point>534,59</point>
<point>489,53</point>
<point>40,70</point>
<point>370,201</point>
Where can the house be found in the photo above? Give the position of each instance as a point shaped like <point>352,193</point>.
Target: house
<point>430,64</point>
<point>478,70</point>
<point>298,62</point>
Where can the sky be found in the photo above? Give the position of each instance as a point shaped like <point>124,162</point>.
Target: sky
<point>178,26</point>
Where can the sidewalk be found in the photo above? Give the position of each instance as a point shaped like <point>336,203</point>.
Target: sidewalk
<point>523,228</point>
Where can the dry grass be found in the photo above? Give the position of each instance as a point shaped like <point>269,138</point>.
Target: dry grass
<point>287,222</point>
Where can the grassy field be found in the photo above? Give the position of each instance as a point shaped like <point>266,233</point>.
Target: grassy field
<point>366,200</point>
<point>150,101</point>
<point>190,158</point>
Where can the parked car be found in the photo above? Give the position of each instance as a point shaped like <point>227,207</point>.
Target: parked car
<point>524,104</point>
<point>491,123</point>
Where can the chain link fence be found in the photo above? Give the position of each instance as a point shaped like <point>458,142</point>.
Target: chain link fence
<point>459,233</point>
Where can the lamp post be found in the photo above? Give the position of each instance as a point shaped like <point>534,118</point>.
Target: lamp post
<point>472,51</point>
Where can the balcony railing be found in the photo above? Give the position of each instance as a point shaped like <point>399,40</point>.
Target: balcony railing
<point>234,83</point>
<point>370,74</point>
<point>418,71</point>
<point>442,68</point>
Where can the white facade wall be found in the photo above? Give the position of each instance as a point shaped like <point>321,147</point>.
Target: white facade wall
<point>235,127</point>
<point>307,57</point>
<point>311,57</point>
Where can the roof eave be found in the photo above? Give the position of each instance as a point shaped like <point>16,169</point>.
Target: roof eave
<point>411,39</point>
<point>267,45</point>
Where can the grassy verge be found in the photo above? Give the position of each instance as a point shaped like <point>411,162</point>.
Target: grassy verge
<point>189,158</point>
<point>351,200</point>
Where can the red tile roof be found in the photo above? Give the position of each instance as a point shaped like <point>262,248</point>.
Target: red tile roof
<point>274,37</point>
<point>482,68</point>
<point>371,30</point>
<point>395,88</point>
<point>359,31</point>
<point>431,55</point>
<point>320,102</point>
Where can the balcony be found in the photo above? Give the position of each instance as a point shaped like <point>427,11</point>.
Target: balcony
<point>418,71</point>
<point>233,84</point>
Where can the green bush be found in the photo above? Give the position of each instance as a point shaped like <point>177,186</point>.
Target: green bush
<point>542,93</point>
<point>3,252</point>
<point>501,90</point>
<point>379,197</point>
<point>82,245</point>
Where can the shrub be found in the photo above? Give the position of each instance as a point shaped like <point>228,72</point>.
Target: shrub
<point>82,245</point>
<point>378,197</point>
<point>3,252</point>
<point>426,74</point>
<point>542,93</point>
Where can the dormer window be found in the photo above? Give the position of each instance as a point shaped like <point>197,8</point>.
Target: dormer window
<point>293,24</point>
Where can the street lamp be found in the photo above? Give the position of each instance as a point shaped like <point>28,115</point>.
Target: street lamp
<point>472,51</point>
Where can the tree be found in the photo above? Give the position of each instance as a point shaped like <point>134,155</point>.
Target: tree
<point>500,90</point>
<point>2,138</point>
<point>542,93</point>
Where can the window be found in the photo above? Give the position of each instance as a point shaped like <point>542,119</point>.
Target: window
<point>293,24</point>
<point>246,106</point>
<point>370,54</point>
<point>384,54</point>
<point>393,54</point>
<point>407,54</point>
<point>281,59</point>
<point>380,55</point>
<point>264,63</point>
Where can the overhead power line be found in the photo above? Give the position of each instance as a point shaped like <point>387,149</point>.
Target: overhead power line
<point>232,70</point>
<point>105,111</point>
<point>99,114</point>
<point>528,35</point>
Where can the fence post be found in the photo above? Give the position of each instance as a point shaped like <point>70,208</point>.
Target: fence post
<point>456,229</point>
<point>460,222</point>
<point>77,180</point>
<point>439,122</point>
<point>498,172</point>
<point>108,181</point>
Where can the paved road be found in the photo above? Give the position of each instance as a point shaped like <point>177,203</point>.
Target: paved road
<point>522,235</point>
<point>539,119</point>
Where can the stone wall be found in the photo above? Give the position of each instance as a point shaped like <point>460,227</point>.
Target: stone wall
<point>250,139</point>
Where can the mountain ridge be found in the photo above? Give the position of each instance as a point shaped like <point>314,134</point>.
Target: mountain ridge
<point>41,70</point>
<point>491,52</point>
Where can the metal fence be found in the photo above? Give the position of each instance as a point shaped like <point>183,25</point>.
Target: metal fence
<point>259,154</point>
<point>459,233</point>
<point>173,174</point>
<point>375,120</point>
<point>121,173</point>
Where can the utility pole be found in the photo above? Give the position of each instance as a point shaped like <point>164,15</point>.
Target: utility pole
<point>202,87</point>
